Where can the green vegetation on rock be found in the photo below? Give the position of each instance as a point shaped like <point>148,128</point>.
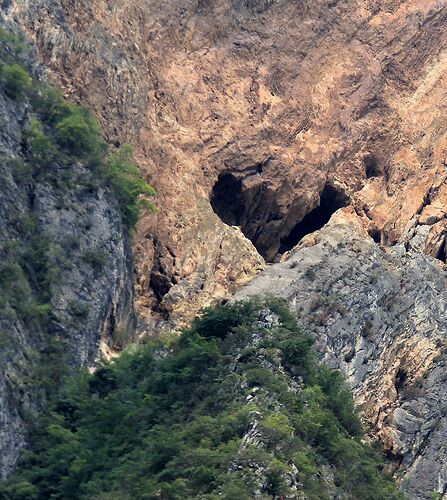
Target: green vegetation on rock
<point>15,81</point>
<point>62,151</point>
<point>53,157</point>
<point>61,133</point>
<point>234,408</point>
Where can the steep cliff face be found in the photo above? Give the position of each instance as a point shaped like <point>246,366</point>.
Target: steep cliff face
<point>253,108</point>
<point>66,291</point>
<point>256,121</point>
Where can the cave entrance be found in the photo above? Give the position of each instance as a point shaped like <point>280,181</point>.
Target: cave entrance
<point>441,254</point>
<point>227,199</point>
<point>252,209</point>
<point>331,199</point>
<point>372,168</point>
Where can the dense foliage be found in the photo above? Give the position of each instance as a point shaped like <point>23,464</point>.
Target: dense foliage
<point>235,408</point>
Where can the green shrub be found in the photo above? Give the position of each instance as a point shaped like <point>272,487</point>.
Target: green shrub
<point>42,152</point>
<point>21,171</point>
<point>220,321</point>
<point>37,260</point>
<point>12,46</point>
<point>26,225</point>
<point>14,288</point>
<point>97,258</point>
<point>131,191</point>
<point>50,104</point>
<point>78,132</point>
<point>15,81</point>
<point>16,292</point>
<point>78,309</point>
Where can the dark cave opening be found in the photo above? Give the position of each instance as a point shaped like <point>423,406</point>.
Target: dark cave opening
<point>376,235</point>
<point>441,254</point>
<point>401,377</point>
<point>237,207</point>
<point>372,168</point>
<point>330,201</point>
<point>227,199</point>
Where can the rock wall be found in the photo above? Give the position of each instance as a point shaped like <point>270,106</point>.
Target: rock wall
<point>284,96</point>
<point>256,109</point>
<point>63,227</point>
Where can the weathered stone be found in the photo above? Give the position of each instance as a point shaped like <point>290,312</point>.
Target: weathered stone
<point>378,314</point>
<point>287,98</point>
<point>91,312</point>
<point>286,95</point>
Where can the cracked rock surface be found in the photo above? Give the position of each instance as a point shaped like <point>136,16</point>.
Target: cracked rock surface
<point>91,309</point>
<point>378,314</point>
<point>286,96</point>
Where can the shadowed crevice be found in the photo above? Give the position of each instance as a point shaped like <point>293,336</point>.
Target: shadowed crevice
<point>331,200</point>
<point>254,214</point>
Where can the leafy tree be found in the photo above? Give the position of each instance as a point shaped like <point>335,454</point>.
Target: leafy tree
<point>15,80</point>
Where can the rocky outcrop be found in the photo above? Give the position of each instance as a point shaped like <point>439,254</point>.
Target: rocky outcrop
<point>378,314</point>
<point>64,253</point>
<point>270,116</point>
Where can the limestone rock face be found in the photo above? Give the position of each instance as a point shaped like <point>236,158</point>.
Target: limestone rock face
<point>379,315</point>
<point>256,120</point>
<point>267,102</point>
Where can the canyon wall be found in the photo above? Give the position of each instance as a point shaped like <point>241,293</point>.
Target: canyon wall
<point>256,121</point>
<point>268,102</point>
<point>66,281</point>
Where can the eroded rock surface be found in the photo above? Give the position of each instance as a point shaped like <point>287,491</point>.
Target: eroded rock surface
<point>69,235</point>
<point>284,97</point>
<point>378,314</point>
<point>244,113</point>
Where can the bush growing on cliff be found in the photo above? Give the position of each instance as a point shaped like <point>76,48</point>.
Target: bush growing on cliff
<point>97,258</point>
<point>59,133</point>
<point>78,132</point>
<point>175,421</point>
<point>51,105</point>
<point>15,80</point>
<point>12,46</point>
<point>130,189</point>
<point>41,149</point>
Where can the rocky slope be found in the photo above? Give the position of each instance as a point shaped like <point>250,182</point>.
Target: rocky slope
<point>66,291</point>
<point>379,315</point>
<point>235,408</point>
<point>256,120</point>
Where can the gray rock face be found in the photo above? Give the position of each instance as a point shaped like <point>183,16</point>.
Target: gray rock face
<point>378,314</point>
<point>91,298</point>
